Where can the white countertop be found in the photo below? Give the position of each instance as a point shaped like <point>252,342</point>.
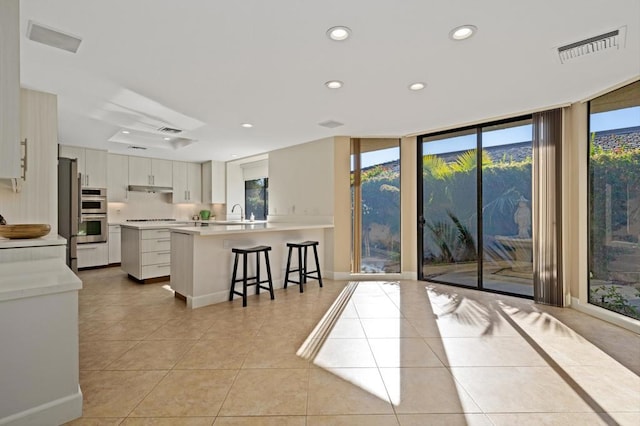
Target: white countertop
<point>214,229</point>
<point>154,225</point>
<point>48,240</point>
<point>36,278</point>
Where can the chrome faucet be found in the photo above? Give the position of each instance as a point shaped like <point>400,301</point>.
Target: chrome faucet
<point>241,211</point>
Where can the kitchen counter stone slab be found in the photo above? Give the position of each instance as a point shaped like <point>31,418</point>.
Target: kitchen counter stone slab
<point>6,243</point>
<point>35,278</point>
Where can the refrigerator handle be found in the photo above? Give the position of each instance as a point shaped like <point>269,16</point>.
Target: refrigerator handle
<point>79,198</point>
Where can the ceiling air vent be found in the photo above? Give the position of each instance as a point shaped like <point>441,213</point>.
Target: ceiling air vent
<point>170,130</point>
<point>607,41</point>
<point>137,147</point>
<point>52,37</point>
<point>330,124</point>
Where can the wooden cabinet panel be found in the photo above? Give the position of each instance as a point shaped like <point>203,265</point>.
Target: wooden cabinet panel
<point>92,165</point>
<point>214,182</point>
<point>10,89</point>
<point>117,177</point>
<point>139,171</point>
<point>162,172</point>
<point>187,182</point>
<point>95,168</point>
<point>115,246</point>
<point>93,255</point>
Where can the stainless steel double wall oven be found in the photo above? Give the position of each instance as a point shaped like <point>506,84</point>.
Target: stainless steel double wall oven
<point>93,227</point>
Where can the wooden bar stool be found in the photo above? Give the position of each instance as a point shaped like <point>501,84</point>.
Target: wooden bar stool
<point>302,270</point>
<point>249,281</point>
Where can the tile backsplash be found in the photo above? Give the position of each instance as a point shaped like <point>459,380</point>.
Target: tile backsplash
<point>142,205</point>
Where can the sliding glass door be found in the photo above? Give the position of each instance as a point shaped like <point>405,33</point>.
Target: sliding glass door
<point>475,207</point>
<point>449,208</point>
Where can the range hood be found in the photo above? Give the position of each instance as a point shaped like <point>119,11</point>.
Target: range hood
<point>150,188</point>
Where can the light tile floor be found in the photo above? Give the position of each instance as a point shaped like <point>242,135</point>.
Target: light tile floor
<point>367,353</point>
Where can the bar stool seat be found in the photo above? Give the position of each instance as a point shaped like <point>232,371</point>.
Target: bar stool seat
<point>303,272</point>
<point>246,280</point>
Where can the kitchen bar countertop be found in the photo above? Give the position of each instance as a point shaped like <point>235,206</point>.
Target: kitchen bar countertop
<point>247,227</point>
<point>154,225</point>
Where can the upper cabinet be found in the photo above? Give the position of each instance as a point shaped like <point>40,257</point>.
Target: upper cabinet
<point>117,177</point>
<point>92,165</point>
<point>150,171</point>
<point>10,166</point>
<point>214,182</point>
<point>187,182</point>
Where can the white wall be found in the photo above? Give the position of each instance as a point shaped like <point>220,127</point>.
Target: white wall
<point>301,182</point>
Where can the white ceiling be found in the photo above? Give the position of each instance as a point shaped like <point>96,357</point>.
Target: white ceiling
<point>209,65</point>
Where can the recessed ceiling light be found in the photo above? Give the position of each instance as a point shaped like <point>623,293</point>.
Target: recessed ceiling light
<point>126,132</point>
<point>247,125</point>
<point>417,86</point>
<point>462,32</point>
<point>339,33</point>
<point>233,155</point>
<point>333,84</point>
<point>167,139</point>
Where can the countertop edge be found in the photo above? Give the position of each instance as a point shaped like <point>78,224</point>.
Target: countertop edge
<point>36,278</point>
<point>204,231</point>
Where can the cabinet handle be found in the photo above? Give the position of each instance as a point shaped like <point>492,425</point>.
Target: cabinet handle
<point>24,159</point>
<point>164,252</point>
<point>163,241</point>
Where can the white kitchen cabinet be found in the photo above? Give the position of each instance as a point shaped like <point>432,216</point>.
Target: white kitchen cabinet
<point>92,165</point>
<point>187,182</point>
<point>117,177</point>
<point>146,253</point>
<point>95,168</point>
<point>10,89</point>
<point>115,246</point>
<point>94,254</point>
<point>150,171</point>
<point>37,200</point>
<point>214,182</point>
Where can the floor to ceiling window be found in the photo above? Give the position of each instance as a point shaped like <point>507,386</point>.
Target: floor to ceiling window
<point>476,222</point>
<point>375,202</point>
<point>614,201</point>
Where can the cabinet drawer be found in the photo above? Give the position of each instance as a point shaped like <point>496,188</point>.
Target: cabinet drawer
<point>153,234</point>
<point>155,258</point>
<point>152,271</point>
<point>161,244</point>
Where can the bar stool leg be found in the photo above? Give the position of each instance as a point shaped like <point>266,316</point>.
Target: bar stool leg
<point>286,275</point>
<point>304,262</point>
<point>244,280</point>
<point>233,278</point>
<point>258,272</point>
<point>266,257</point>
<point>300,270</point>
<point>315,254</point>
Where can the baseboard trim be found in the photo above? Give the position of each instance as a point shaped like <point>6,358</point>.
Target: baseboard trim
<point>54,412</point>
<point>606,315</point>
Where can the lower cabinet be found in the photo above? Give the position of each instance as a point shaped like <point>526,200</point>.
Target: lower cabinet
<point>146,253</point>
<point>94,254</point>
<point>114,244</point>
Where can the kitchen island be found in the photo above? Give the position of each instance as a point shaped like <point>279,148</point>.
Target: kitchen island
<point>145,249</point>
<point>202,262</point>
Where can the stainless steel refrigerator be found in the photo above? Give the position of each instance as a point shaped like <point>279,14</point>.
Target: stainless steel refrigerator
<point>69,207</point>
